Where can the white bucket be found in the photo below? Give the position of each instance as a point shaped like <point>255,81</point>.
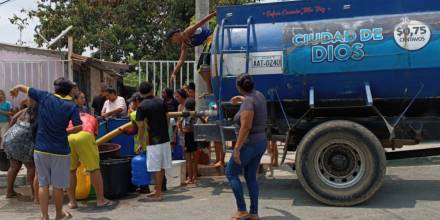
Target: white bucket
<point>177,174</point>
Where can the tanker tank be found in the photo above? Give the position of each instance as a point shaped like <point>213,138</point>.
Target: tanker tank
<point>334,48</point>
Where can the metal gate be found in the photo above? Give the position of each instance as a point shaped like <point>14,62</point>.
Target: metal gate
<point>35,73</point>
<point>158,73</point>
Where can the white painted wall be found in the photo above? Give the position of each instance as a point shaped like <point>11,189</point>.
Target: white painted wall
<point>29,67</point>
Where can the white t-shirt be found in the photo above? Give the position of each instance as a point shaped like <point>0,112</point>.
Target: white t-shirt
<point>118,103</point>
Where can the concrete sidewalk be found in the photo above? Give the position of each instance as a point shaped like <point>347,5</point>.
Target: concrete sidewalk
<point>19,181</point>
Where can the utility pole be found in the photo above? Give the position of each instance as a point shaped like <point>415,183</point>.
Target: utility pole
<point>202,10</point>
<point>69,56</point>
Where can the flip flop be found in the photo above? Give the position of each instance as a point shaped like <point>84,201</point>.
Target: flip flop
<point>72,206</point>
<point>152,199</point>
<point>67,215</point>
<point>253,217</point>
<point>240,217</point>
<point>218,165</point>
<point>107,204</point>
<point>151,194</point>
<point>13,195</point>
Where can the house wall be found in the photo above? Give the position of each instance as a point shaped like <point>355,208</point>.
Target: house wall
<point>110,81</point>
<point>35,68</point>
<point>97,77</point>
<point>95,82</point>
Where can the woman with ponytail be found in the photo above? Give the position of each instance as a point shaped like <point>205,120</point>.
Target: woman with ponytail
<point>251,123</point>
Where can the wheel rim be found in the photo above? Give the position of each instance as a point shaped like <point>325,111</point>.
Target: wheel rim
<point>340,164</point>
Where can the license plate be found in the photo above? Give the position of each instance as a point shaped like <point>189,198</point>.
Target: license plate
<point>266,61</point>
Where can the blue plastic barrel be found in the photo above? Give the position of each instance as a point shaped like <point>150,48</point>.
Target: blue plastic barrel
<point>102,130</point>
<point>139,174</point>
<point>177,153</point>
<point>126,141</point>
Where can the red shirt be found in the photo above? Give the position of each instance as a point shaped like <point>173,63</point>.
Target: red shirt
<point>89,123</point>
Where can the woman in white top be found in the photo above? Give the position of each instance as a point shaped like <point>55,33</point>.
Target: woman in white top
<point>115,106</point>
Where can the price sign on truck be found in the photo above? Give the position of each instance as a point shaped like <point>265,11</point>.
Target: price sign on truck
<point>412,35</point>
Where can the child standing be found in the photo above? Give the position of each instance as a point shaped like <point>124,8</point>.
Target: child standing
<point>190,144</point>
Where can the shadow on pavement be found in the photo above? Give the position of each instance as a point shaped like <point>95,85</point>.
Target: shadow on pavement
<point>90,207</point>
<point>395,193</point>
<point>399,193</point>
<point>285,215</point>
<point>103,218</point>
<point>168,198</point>
<point>177,190</point>
<point>218,185</point>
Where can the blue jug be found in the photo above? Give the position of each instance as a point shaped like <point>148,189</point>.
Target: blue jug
<point>139,173</point>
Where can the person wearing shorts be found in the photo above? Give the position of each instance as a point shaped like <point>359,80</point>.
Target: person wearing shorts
<point>83,149</point>
<point>152,112</point>
<point>51,152</point>
<point>190,143</point>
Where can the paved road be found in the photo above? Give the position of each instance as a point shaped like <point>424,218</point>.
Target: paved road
<point>408,193</point>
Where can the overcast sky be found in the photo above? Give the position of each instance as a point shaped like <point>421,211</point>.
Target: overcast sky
<point>9,32</point>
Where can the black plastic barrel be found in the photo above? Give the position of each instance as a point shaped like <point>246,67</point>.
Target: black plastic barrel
<point>116,177</point>
<point>4,162</point>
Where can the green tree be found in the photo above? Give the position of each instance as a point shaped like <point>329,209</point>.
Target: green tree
<point>119,30</point>
<point>134,28</point>
<point>21,23</point>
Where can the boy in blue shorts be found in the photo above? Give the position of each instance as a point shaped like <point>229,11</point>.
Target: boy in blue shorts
<point>52,151</point>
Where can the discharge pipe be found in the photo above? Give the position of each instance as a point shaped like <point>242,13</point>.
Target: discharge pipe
<point>120,130</point>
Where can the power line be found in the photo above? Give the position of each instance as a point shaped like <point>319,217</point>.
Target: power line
<point>4,2</point>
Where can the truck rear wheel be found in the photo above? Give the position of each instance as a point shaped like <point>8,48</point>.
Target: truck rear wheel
<point>340,163</point>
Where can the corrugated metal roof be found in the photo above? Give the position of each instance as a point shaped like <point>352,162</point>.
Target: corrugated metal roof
<point>40,51</point>
<point>112,67</point>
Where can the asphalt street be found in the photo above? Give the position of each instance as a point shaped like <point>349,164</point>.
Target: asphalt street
<point>408,193</point>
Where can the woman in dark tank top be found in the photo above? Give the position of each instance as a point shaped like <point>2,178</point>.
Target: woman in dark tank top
<point>251,142</point>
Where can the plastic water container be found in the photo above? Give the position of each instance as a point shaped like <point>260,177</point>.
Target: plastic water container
<point>102,129</point>
<point>83,183</point>
<point>139,174</point>
<point>177,153</point>
<point>126,141</point>
<point>116,177</point>
<point>177,174</point>
<point>4,161</point>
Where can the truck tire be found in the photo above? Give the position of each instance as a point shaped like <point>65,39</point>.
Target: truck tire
<point>340,163</point>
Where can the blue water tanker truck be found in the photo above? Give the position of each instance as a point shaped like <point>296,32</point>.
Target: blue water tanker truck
<point>344,80</point>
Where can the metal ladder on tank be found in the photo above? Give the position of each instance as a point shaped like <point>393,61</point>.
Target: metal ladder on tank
<point>224,26</point>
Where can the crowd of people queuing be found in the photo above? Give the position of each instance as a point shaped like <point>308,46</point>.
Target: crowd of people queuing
<point>52,134</point>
